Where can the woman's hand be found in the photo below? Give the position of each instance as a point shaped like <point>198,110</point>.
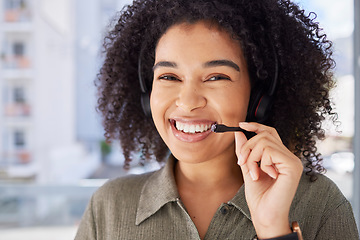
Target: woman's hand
<point>271,175</point>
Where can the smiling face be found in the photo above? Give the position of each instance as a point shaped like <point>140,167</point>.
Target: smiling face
<point>200,78</point>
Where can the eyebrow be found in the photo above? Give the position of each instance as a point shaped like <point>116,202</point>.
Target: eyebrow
<point>213,63</point>
<point>219,63</point>
<point>164,64</point>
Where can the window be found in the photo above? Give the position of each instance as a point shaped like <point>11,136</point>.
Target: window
<point>19,49</point>
<point>19,95</point>
<point>13,4</point>
<point>16,11</point>
<point>9,4</point>
<point>19,139</point>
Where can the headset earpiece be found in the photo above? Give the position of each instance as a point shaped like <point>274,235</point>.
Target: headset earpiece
<point>263,109</point>
<point>261,99</point>
<point>145,104</point>
<point>145,93</point>
<point>259,106</point>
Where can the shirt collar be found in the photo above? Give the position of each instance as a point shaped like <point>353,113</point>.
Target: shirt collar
<point>239,201</point>
<point>161,189</point>
<point>157,191</point>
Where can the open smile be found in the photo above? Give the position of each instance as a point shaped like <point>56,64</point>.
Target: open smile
<point>190,131</point>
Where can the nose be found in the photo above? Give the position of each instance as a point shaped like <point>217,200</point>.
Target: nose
<point>190,98</point>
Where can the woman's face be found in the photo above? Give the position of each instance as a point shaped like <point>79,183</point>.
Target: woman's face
<point>200,78</point>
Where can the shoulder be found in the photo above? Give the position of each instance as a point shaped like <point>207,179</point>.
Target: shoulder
<point>127,187</point>
<point>322,211</point>
<point>320,195</point>
<point>318,199</point>
<point>319,203</point>
<point>322,189</point>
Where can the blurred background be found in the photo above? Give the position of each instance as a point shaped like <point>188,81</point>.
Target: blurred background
<point>52,151</point>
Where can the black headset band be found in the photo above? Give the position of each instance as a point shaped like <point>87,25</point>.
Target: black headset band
<point>274,82</point>
<point>141,79</point>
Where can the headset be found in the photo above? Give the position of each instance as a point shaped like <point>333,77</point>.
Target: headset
<point>145,92</point>
<point>261,98</point>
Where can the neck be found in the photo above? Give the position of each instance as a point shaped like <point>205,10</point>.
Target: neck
<point>219,173</point>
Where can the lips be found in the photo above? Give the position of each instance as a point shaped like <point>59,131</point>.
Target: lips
<point>191,131</point>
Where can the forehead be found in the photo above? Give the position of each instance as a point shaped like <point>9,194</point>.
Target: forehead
<point>199,36</point>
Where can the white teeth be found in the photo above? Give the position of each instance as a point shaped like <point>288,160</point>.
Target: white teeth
<point>186,128</point>
<point>198,128</point>
<point>179,126</point>
<point>192,128</point>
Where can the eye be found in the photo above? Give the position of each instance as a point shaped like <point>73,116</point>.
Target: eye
<point>169,78</point>
<point>218,77</point>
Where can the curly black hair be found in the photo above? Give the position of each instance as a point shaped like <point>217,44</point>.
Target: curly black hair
<point>303,52</point>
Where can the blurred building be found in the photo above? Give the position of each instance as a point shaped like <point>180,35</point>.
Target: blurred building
<point>49,57</point>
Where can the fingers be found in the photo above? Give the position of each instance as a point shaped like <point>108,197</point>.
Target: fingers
<point>261,159</point>
<point>260,128</point>
<point>240,140</point>
<point>263,153</point>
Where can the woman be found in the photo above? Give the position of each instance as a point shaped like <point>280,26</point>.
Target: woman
<point>261,65</point>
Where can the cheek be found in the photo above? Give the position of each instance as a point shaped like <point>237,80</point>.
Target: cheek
<point>233,105</point>
<point>159,103</point>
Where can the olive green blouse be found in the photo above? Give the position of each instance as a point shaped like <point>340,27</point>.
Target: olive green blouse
<point>148,206</point>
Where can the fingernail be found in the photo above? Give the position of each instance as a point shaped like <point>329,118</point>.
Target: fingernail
<point>252,176</point>
<point>240,159</point>
<point>272,175</point>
